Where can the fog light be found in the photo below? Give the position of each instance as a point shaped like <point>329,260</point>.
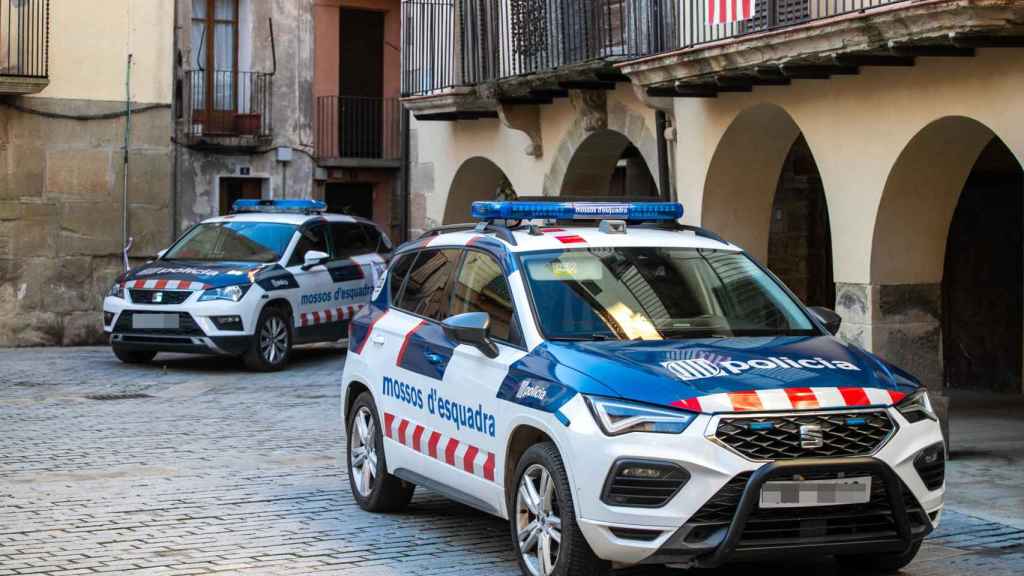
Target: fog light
<point>643,483</point>
<point>232,323</point>
<point>930,464</point>
<point>108,317</point>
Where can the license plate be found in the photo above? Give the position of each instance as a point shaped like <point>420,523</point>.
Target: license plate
<point>803,493</point>
<point>155,321</point>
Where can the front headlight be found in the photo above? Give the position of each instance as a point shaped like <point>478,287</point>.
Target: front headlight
<point>229,293</point>
<point>617,417</point>
<point>116,291</point>
<point>917,407</point>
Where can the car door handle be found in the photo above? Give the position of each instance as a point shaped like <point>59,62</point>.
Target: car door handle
<point>378,340</point>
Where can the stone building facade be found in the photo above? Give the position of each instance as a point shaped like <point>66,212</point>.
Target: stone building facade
<point>837,146</point>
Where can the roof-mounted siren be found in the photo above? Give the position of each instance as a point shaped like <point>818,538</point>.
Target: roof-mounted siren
<point>634,212</point>
<point>280,206</point>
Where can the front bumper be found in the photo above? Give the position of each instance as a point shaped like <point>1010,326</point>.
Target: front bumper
<point>677,533</point>
<point>197,332</point>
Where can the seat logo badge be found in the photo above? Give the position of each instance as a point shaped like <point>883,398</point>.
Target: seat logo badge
<point>158,297</point>
<point>811,436</point>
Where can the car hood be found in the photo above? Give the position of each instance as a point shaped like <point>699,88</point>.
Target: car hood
<point>738,374</point>
<point>193,275</point>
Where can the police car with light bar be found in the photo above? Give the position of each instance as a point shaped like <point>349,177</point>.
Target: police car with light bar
<point>626,390</point>
<point>255,283</point>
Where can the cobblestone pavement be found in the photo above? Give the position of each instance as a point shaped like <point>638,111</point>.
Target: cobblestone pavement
<point>194,466</point>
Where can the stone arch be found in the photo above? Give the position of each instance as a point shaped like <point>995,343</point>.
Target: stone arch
<point>621,120</point>
<point>743,176</point>
<point>920,196</point>
<point>478,178</point>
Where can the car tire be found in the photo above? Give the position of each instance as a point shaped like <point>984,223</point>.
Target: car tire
<point>271,342</point>
<point>879,563</point>
<point>541,498</point>
<point>134,356</point>
<point>373,488</point>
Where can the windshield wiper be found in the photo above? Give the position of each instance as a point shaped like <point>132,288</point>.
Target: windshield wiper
<point>592,338</point>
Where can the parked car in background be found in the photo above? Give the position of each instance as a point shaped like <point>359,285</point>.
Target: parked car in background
<point>254,284</point>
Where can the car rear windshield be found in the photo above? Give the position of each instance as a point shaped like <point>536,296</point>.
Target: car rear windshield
<point>657,293</point>
<point>233,241</point>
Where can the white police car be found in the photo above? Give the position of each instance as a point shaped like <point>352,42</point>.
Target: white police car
<point>273,274</point>
<point>634,391</point>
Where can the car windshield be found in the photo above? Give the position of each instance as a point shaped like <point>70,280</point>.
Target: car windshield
<point>657,293</point>
<point>233,241</point>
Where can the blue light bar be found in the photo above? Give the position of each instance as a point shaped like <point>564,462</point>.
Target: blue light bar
<point>630,211</point>
<point>299,206</point>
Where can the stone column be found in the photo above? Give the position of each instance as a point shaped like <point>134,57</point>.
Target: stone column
<point>902,324</point>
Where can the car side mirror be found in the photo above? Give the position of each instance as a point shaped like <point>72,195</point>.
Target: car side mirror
<point>471,328</point>
<point>314,258</point>
<point>829,318</point>
<point>161,253</point>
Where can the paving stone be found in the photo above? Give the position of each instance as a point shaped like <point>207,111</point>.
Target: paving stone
<point>219,470</point>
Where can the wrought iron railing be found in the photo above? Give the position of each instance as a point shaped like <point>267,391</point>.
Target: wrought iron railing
<point>702,20</point>
<point>358,127</point>
<point>228,103</point>
<point>449,43</point>
<point>24,38</point>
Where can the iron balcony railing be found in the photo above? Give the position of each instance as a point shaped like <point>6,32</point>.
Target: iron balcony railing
<point>358,127</point>
<point>448,43</point>
<point>704,21</point>
<point>24,38</point>
<point>228,103</point>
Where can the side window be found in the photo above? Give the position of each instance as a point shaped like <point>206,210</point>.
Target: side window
<point>311,238</point>
<point>379,243</point>
<point>397,273</point>
<point>350,240</point>
<point>426,290</point>
<point>481,287</point>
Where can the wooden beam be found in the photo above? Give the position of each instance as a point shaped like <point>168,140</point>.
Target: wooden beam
<point>873,60</point>
<point>586,85</point>
<point>978,41</point>
<point>613,76</point>
<point>730,80</point>
<point>545,93</point>
<point>817,71</point>
<point>698,90</point>
<point>523,100</point>
<point>933,51</point>
<point>661,92</point>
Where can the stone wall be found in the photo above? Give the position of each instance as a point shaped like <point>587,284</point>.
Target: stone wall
<point>60,213</point>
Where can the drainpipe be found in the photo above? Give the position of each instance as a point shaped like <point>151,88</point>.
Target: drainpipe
<point>404,185</point>
<point>126,242</point>
<point>175,103</point>
<point>664,184</point>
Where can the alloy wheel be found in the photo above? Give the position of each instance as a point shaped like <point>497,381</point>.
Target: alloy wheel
<point>538,524</point>
<point>273,340</point>
<point>363,451</point>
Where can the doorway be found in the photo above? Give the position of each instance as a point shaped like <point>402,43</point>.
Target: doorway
<point>361,84</point>
<point>352,198</point>
<point>232,189</point>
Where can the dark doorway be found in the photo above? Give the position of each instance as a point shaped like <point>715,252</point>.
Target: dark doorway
<point>353,198</point>
<point>361,85</point>
<point>631,176</point>
<point>981,285</point>
<point>799,239</point>
<point>232,189</point>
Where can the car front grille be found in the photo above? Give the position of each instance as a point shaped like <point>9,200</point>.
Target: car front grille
<point>779,437</point>
<point>187,326</point>
<point>818,524</point>
<point>166,296</point>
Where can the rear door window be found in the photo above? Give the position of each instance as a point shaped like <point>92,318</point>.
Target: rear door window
<point>426,288</point>
<point>350,240</point>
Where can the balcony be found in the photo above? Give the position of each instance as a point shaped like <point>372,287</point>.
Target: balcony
<point>358,132</point>
<point>784,40</point>
<point>462,57</point>
<point>227,108</point>
<point>24,46</point>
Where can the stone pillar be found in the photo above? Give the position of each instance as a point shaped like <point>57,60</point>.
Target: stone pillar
<point>902,324</point>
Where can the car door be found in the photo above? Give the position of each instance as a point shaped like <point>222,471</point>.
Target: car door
<point>315,295</point>
<point>480,285</point>
<point>352,269</point>
<point>412,357</point>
